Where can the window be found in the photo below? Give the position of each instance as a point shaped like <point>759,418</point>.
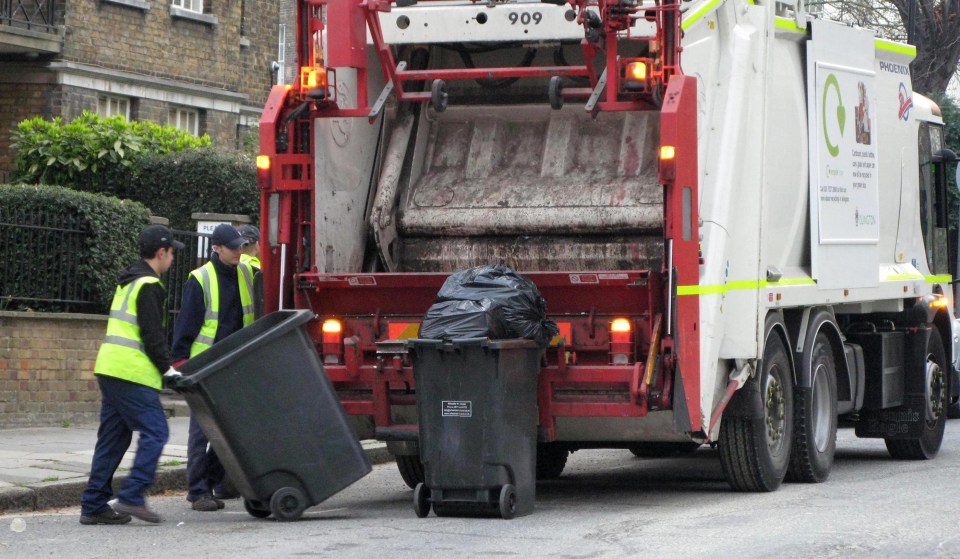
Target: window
<point>111,106</point>
<point>185,119</point>
<point>189,5</point>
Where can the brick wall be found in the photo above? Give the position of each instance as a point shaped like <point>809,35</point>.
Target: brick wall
<point>46,368</point>
<point>17,102</point>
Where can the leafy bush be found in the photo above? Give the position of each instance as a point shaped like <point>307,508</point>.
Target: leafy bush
<point>51,152</point>
<point>63,248</point>
<point>176,185</point>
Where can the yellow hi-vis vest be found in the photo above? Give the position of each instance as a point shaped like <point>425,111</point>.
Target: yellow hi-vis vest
<point>250,259</point>
<point>122,355</point>
<point>207,276</point>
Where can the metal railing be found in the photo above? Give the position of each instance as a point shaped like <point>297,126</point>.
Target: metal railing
<point>35,15</point>
<point>42,259</point>
<point>196,254</point>
<point>43,255</point>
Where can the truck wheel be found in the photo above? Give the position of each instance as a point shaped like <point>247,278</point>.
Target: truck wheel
<point>421,500</point>
<point>953,412</point>
<point>555,93</point>
<point>287,504</point>
<point>927,445</point>
<point>815,418</point>
<point>508,502</point>
<point>755,446</point>
<point>663,450</point>
<point>411,469</point>
<point>439,96</point>
<point>550,461</point>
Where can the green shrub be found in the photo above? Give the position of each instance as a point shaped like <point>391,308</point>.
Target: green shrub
<point>177,185</point>
<point>52,152</point>
<point>63,247</point>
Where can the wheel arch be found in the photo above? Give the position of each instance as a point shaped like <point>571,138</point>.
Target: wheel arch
<point>810,323</point>
<point>740,403</point>
<point>776,325</point>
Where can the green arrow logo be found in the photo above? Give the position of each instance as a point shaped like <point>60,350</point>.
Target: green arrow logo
<point>841,114</point>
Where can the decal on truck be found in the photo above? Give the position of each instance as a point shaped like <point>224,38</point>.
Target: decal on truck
<point>906,102</point>
<point>847,191</point>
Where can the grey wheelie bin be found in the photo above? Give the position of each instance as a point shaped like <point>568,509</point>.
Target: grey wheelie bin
<point>477,413</point>
<point>271,414</point>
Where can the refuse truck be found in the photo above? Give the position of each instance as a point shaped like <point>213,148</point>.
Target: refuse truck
<point>736,212</point>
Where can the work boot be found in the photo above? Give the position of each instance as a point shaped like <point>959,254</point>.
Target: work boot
<point>107,516</point>
<point>207,504</point>
<point>138,511</point>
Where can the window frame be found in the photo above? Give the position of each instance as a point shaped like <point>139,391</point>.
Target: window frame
<point>176,114</point>
<point>193,6</point>
<point>109,100</point>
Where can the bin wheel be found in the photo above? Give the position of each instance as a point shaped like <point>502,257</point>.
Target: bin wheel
<point>438,95</point>
<point>421,500</point>
<point>508,502</point>
<point>555,93</point>
<point>411,469</point>
<point>287,504</point>
<point>256,508</point>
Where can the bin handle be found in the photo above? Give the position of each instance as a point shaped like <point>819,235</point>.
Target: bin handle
<point>448,345</point>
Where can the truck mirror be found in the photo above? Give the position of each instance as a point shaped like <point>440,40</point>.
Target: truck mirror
<point>945,155</point>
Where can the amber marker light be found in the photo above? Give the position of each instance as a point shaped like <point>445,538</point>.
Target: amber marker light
<point>332,341</point>
<point>621,341</point>
<point>263,162</point>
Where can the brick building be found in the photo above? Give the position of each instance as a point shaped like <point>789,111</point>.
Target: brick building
<point>202,65</point>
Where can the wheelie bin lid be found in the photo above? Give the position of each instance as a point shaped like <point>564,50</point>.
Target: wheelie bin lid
<point>456,343</point>
<point>236,346</point>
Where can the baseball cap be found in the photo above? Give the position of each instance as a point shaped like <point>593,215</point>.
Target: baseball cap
<point>158,236</point>
<point>227,235</point>
<point>249,232</point>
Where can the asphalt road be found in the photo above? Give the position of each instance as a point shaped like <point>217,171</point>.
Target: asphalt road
<point>608,504</point>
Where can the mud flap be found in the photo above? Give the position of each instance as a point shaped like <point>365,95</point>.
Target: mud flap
<point>908,420</point>
<point>902,422</point>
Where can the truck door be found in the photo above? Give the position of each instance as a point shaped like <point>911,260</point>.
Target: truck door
<point>933,201</point>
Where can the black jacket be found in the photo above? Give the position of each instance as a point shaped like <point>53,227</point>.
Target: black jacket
<point>151,314</point>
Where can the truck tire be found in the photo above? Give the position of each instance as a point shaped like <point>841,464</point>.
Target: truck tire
<point>927,445</point>
<point>550,461</point>
<point>411,469</point>
<point>815,418</point>
<point>755,446</point>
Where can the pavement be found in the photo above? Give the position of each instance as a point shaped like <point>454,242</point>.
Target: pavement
<point>47,467</point>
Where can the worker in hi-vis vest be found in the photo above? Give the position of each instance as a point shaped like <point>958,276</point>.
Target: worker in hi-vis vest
<point>251,247</point>
<point>251,255</point>
<point>217,301</point>
<point>131,365</point>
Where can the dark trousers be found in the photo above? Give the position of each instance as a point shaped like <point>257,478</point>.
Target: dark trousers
<point>125,407</point>
<point>204,471</point>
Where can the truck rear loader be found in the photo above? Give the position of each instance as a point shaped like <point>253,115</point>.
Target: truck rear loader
<point>737,214</point>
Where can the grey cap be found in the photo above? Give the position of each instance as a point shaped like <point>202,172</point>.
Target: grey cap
<point>249,232</point>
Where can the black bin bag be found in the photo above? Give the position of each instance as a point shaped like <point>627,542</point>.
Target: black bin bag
<point>490,301</point>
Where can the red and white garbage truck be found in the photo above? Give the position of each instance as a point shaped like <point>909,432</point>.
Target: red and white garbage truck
<point>737,214</point>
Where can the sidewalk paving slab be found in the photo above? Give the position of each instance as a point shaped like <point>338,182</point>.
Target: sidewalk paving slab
<point>44,468</point>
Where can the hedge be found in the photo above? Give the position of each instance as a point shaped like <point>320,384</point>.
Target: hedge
<point>176,185</point>
<point>64,247</point>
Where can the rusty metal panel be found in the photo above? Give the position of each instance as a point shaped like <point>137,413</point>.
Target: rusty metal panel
<point>536,189</point>
<point>564,253</point>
